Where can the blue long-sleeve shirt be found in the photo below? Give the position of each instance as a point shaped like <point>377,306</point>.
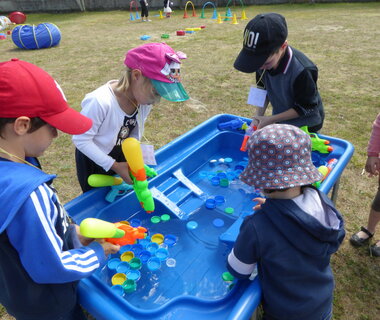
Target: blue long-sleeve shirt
<point>291,242</point>
<point>37,245</point>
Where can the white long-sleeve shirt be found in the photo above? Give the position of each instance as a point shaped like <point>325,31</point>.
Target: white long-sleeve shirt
<point>103,108</point>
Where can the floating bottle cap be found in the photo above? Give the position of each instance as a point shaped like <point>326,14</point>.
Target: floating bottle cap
<point>210,204</point>
<point>137,248</point>
<point>170,240</point>
<point>229,210</point>
<point>118,289</point>
<point>123,267</point>
<point>162,254</point>
<point>215,181</point>
<point>191,225</point>
<point>127,256</point>
<point>153,264</point>
<point>219,200</point>
<point>222,175</point>
<point>157,238</point>
<point>125,248</point>
<point>224,183</point>
<point>155,219</point>
<point>113,263</point>
<point>213,162</point>
<point>152,247</point>
<point>144,256</point>
<point>129,286</point>
<point>218,223</point>
<point>165,217</point>
<point>171,263</point>
<point>226,276</point>
<point>144,242</point>
<point>118,278</point>
<point>135,223</point>
<point>134,275</point>
<point>135,263</point>
<point>227,160</point>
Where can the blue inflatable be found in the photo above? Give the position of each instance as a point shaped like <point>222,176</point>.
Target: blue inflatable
<point>44,35</point>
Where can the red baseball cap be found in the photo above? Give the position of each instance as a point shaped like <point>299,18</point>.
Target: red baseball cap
<point>27,90</point>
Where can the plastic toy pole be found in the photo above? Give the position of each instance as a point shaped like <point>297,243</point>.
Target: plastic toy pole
<point>133,154</point>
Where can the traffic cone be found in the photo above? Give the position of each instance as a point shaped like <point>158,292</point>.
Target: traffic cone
<point>219,19</point>
<point>214,15</point>
<point>234,19</point>
<point>185,15</point>
<point>243,15</point>
<point>131,16</point>
<point>161,16</point>
<point>203,14</point>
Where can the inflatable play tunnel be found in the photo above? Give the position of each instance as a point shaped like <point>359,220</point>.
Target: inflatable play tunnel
<point>44,35</point>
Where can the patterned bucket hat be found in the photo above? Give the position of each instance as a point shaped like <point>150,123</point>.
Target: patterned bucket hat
<point>280,158</point>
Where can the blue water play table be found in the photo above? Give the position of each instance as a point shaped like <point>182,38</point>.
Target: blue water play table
<point>191,286</point>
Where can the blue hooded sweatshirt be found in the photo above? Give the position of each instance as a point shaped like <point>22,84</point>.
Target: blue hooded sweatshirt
<point>292,250</point>
<point>39,266</point>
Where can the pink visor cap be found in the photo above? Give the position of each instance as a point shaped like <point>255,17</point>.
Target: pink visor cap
<point>161,64</point>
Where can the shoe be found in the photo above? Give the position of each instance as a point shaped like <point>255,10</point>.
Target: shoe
<point>374,250</point>
<point>148,20</point>
<point>359,242</point>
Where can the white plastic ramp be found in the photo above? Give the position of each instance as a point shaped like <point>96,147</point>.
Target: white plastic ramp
<point>181,177</point>
<point>159,196</point>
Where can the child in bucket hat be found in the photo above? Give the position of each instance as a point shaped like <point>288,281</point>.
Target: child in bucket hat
<point>293,233</point>
<point>42,257</point>
<point>120,108</point>
<point>280,158</point>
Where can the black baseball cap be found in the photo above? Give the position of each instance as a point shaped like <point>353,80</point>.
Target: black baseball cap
<point>262,36</point>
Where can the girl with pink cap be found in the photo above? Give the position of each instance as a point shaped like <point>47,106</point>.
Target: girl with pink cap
<point>120,108</point>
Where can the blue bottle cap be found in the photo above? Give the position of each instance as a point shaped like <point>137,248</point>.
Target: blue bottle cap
<point>134,275</point>
<point>218,223</point>
<point>152,247</point>
<point>191,225</point>
<point>153,264</point>
<point>162,254</point>
<point>144,256</point>
<point>118,289</point>
<point>219,200</point>
<point>135,223</point>
<point>215,181</point>
<point>170,240</point>
<point>210,204</point>
<point>113,263</point>
<point>123,267</point>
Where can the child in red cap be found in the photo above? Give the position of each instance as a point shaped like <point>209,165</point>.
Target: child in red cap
<point>294,231</point>
<point>42,257</point>
<point>120,108</point>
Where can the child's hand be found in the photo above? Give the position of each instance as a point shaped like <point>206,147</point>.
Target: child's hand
<point>372,166</point>
<point>108,247</point>
<point>260,202</point>
<point>262,121</point>
<point>121,168</point>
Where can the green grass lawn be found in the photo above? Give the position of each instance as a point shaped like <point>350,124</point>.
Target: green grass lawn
<point>342,39</point>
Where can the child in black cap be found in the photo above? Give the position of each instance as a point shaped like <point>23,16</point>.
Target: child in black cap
<point>284,75</point>
<point>294,232</point>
